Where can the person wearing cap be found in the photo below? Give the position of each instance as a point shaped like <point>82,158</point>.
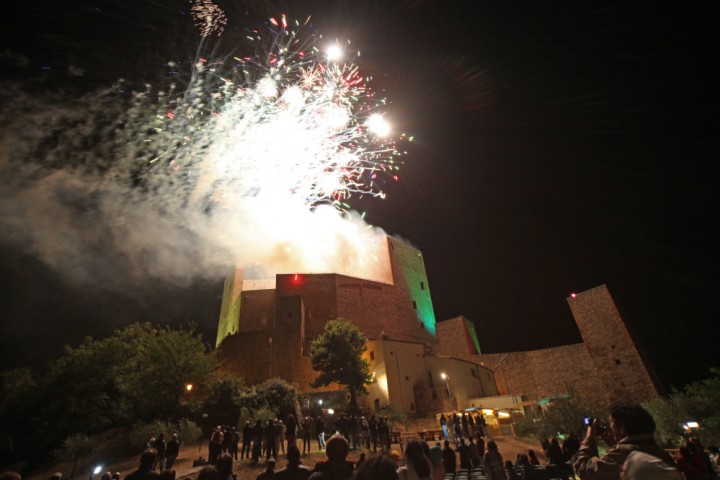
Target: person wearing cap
<point>631,429</point>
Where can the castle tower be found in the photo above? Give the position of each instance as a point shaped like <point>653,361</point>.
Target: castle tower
<point>620,368</point>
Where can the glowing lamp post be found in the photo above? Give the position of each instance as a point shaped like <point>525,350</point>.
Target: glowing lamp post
<point>95,471</point>
<point>189,387</point>
<point>447,383</point>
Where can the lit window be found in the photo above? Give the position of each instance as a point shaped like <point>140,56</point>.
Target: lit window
<point>372,355</point>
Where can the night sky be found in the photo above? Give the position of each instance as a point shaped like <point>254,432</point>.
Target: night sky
<point>559,146</point>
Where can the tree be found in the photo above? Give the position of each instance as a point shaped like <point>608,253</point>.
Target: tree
<point>74,448</point>
<point>138,374</point>
<point>698,403</point>
<point>337,355</point>
<point>279,395</point>
<point>560,417</point>
<point>227,395</point>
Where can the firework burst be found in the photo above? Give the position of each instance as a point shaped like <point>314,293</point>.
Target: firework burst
<point>287,123</point>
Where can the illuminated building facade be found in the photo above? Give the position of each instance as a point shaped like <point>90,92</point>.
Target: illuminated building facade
<point>266,326</point>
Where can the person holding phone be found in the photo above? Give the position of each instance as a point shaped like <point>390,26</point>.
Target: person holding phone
<point>631,429</point>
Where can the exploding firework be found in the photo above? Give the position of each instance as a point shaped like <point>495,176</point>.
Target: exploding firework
<point>208,18</point>
<point>252,159</point>
<point>291,123</point>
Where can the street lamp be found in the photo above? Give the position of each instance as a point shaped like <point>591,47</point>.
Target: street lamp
<point>189,387</point>
<point>447,382</point>
<point>95,471</point>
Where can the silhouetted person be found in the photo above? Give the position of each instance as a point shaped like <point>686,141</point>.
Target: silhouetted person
<point>295,470</point>
<point>291,427</point>
<point>336,467</point>
<point>161,447</point>
<point>257,436</point>
<point>556,460</point>
<point>225,467</point>
<point>146,470</point>
<point>172,451</point>
<point>373,426</point>
<point>418,464</point>
<point>493,462</point>
<point>528,469</point>
<point>570,446</point>
<point>377,467</point>
<point>208,473</point>
<point>449,458</point>
<point>247,435</point>
<point>307,426</point>
<point>320,432</point>
<point>269,473</point>
<point>215,447</point>
<point>464,451</point>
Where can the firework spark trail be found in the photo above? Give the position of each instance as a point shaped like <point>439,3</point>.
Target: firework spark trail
<point>254,163</point>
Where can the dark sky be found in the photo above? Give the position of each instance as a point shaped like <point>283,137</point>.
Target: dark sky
<point>559,146</point>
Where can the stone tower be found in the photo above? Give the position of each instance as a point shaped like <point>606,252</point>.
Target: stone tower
<point>622,371</point>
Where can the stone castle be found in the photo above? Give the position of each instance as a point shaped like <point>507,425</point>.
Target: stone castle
<point>420,366</point>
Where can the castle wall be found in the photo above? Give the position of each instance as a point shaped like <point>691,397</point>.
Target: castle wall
<point>616,360</point>
<point>605,368</point>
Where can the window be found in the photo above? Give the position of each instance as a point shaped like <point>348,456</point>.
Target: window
<point>472,372</point>
<point>422,285</point>
<point>414,305</point>
<point>412,406</point>
<point>407,378</point>
<point>372,355</point>
<point>617,361</point>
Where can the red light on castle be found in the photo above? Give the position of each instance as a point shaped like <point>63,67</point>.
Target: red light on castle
<point>296,278</point>
<point>573,295</point>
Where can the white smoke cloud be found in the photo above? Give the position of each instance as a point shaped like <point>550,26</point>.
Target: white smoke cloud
<point>78,190</point>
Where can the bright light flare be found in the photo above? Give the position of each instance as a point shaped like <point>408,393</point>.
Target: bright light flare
<point>334,53</point>
<point>378,125</point>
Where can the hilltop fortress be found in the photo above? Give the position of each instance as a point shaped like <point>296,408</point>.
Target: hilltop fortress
<point>421,366</point>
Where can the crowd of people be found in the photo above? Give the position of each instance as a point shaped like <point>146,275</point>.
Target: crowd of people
<point>633,453</point>
<point>267,439</point>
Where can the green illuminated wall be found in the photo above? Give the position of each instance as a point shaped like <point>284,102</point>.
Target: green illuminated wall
<point>229,321</point>
<point>472,333</point>
<point>409,268</point>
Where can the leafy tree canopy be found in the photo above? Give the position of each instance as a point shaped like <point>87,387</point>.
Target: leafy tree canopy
<point>337,355</point>
<point>697,403</point>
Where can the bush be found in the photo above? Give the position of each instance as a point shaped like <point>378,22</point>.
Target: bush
<point>187,430</point>
<point>140,434</point>
<point>263,413</point>
<point>74,448</point>
<point>560,417</point>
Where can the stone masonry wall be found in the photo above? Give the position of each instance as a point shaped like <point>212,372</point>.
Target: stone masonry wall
<point>616,360</point>
<point>605,368</point>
